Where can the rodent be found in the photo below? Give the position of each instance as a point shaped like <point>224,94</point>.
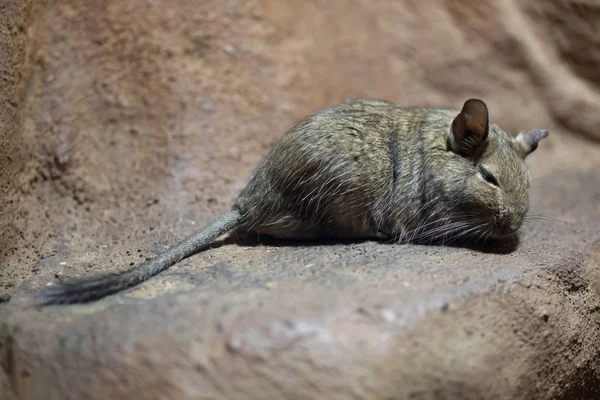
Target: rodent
<point>367,169</point>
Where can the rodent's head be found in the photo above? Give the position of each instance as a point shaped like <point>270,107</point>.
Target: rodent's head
<point>494,178</point>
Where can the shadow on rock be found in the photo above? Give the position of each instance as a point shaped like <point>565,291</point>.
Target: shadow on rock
<point>251,239</point>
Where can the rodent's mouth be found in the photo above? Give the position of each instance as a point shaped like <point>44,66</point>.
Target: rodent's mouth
<point>501,231</point>
<point>504,235</point>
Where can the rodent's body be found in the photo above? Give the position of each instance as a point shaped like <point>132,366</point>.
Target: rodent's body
<point>368,169</point>
<point>351,159</point>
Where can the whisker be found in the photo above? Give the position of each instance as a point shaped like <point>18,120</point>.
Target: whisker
<point>539,178</point>
<point>543,217</point>
<point>442,232</point>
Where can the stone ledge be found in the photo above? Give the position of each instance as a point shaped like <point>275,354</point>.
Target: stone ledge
<point>106,161</point>
<point>369,320</point>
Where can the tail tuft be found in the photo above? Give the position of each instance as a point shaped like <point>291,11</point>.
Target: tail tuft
<point>83,291</point>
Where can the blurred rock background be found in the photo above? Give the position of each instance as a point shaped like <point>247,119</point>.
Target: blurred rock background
<point>127,124</point>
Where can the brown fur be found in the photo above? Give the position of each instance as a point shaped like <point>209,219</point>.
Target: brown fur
<point>368,169</point>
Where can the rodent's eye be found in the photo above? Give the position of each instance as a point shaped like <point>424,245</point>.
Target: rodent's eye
<point>488,176</point>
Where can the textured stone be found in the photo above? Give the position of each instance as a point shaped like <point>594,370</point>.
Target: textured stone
<point>126,125</point>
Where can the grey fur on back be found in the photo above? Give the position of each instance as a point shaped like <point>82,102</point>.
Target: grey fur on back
<point>369,168</point>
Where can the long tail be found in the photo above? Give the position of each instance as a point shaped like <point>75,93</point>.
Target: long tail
<point>95,288</point>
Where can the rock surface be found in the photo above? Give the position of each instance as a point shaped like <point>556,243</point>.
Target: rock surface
<point>129,124</point>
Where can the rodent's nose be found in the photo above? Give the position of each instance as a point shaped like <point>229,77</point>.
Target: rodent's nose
<point>516,222</point>
<point>511,218</point>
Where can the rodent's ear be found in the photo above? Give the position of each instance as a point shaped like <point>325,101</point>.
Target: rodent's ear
<point>470,129</point>
<point>528,142</point>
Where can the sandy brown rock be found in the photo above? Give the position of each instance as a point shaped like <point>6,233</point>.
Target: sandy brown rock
<point>126,125</point>
<point>16,146</point>
<point>365,320</point>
